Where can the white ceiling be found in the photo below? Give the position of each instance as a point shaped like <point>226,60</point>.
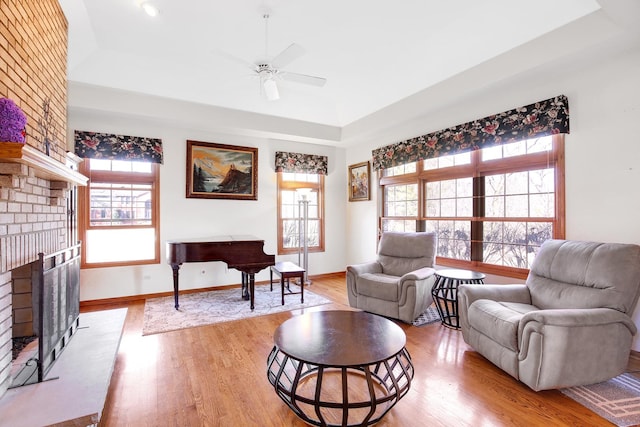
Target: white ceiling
<point>373,53</point>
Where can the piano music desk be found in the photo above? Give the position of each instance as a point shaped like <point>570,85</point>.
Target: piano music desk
<point>288,270</point>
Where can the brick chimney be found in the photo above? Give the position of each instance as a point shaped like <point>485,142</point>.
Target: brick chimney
<point>34,184</point>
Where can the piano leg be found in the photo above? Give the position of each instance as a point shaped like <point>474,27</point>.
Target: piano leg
<point>175,268</point>
<point>245,282</point>
<point>252,286</point>
<point>248,286</point>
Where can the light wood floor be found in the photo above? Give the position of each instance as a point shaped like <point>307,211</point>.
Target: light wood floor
<point>216,376</point>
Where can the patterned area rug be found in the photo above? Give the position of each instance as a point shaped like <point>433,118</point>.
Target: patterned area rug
<point>429,316</point>
<point>617,400</point>
<point>204,308</point>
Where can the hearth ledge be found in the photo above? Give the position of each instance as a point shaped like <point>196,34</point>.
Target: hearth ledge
<point>75,391</point>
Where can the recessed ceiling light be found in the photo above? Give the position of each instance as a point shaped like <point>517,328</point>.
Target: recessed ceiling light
<point>150,9</point>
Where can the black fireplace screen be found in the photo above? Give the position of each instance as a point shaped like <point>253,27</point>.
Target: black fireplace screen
<point>58,305</point>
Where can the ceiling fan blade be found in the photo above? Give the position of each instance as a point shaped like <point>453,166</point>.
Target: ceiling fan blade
<point>290,54</point>
<point>302,78</point>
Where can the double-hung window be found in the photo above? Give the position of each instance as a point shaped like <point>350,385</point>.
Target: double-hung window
<point>293,190</point>
<point>491,208</point>
<point>119,213</point>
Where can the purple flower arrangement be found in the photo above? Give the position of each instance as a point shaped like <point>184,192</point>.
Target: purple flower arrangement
<point>12,121</point>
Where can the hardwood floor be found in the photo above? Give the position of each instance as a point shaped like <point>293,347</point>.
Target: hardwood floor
<point>216,376</point>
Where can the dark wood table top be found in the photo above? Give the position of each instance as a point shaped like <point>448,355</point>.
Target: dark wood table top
<point>460,274</point>
<point>339,338</point>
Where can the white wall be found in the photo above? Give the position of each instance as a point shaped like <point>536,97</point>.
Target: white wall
<point>182,217</point>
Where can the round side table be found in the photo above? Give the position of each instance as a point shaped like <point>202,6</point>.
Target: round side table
<point>445,293</point>
<point>340,368</point>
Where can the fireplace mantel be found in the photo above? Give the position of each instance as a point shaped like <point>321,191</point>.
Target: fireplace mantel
<point>45,166</point>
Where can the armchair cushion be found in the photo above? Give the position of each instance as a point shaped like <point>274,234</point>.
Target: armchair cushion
<point>379,285</point>
<point>400,253</point>
<point>499,320</point>
<point>571,274</point>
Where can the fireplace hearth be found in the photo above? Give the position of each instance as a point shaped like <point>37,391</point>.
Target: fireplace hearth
<point>19,344</point>
<point>24,368</point>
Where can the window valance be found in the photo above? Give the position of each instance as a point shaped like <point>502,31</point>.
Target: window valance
<point>542,118</point>
<point>93,145</point>
<point>301,163</point>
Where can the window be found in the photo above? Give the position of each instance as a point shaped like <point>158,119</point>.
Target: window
<point>292,187</point>
<point>400,170</point>
<point>400,205</point>
<point>491,208</point>
<point>449,212</point>
<point>119,210</point>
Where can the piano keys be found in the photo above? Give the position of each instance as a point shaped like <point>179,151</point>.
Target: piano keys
<point>244,253</point>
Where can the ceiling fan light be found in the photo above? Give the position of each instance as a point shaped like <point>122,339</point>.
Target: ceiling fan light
<point>271,90</point>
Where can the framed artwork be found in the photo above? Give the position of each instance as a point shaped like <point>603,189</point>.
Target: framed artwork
<point>218,171</point>
<point>359,182</point>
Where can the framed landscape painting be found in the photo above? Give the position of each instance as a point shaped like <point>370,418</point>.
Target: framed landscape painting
<point>359,182</point>
<point>218,171</point>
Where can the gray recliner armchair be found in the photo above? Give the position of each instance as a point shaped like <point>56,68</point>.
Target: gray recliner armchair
<point>398,284</point>
<point>568,325</point>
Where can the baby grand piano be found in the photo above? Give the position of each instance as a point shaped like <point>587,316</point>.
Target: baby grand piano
<point>244,253</point>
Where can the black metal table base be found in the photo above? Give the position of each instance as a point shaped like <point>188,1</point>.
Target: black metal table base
<point>340,396</point>
<point>445,293</point>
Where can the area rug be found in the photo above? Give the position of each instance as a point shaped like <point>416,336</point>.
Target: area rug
<point>204,308</point>
<point>617,400</point>
<point>429,316</point>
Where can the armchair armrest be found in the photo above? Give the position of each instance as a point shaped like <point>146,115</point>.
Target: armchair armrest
<point>414,292</point>
<point>564,347</point>
<point>367,267</point>
<point>419,274</point>
<point>577,317</point>
<point>355,270</point>
<point>467,294</point>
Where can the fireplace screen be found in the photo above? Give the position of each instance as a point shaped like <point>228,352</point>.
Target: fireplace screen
<point>56,289</point>
<point>59,305</point>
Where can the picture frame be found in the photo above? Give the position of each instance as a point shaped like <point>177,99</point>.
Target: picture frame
<point>220,171</point>
<point>360,182</point>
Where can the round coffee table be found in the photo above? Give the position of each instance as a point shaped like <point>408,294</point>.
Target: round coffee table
<point>340,368</point>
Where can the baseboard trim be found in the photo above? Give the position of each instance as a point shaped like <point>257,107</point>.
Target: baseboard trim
<point>142,297</point>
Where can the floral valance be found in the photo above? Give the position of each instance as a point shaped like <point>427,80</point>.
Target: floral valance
<point>542,118</point>
<point>301,163</point>
<point>93,145</point>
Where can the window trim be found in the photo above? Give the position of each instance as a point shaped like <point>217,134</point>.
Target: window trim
<point>85,210</point>
<point>294,185</point>
<point>476,168</point>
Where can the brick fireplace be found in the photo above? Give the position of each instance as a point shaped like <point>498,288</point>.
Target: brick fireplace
<point>34,186</point>
<point>34,218</point>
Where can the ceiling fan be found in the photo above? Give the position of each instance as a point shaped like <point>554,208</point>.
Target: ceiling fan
<point>270,72</point>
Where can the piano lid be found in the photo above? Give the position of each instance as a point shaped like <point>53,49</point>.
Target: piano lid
<point>214,239</point>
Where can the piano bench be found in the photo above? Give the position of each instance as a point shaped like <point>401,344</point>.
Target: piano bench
<point>287,270</point>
